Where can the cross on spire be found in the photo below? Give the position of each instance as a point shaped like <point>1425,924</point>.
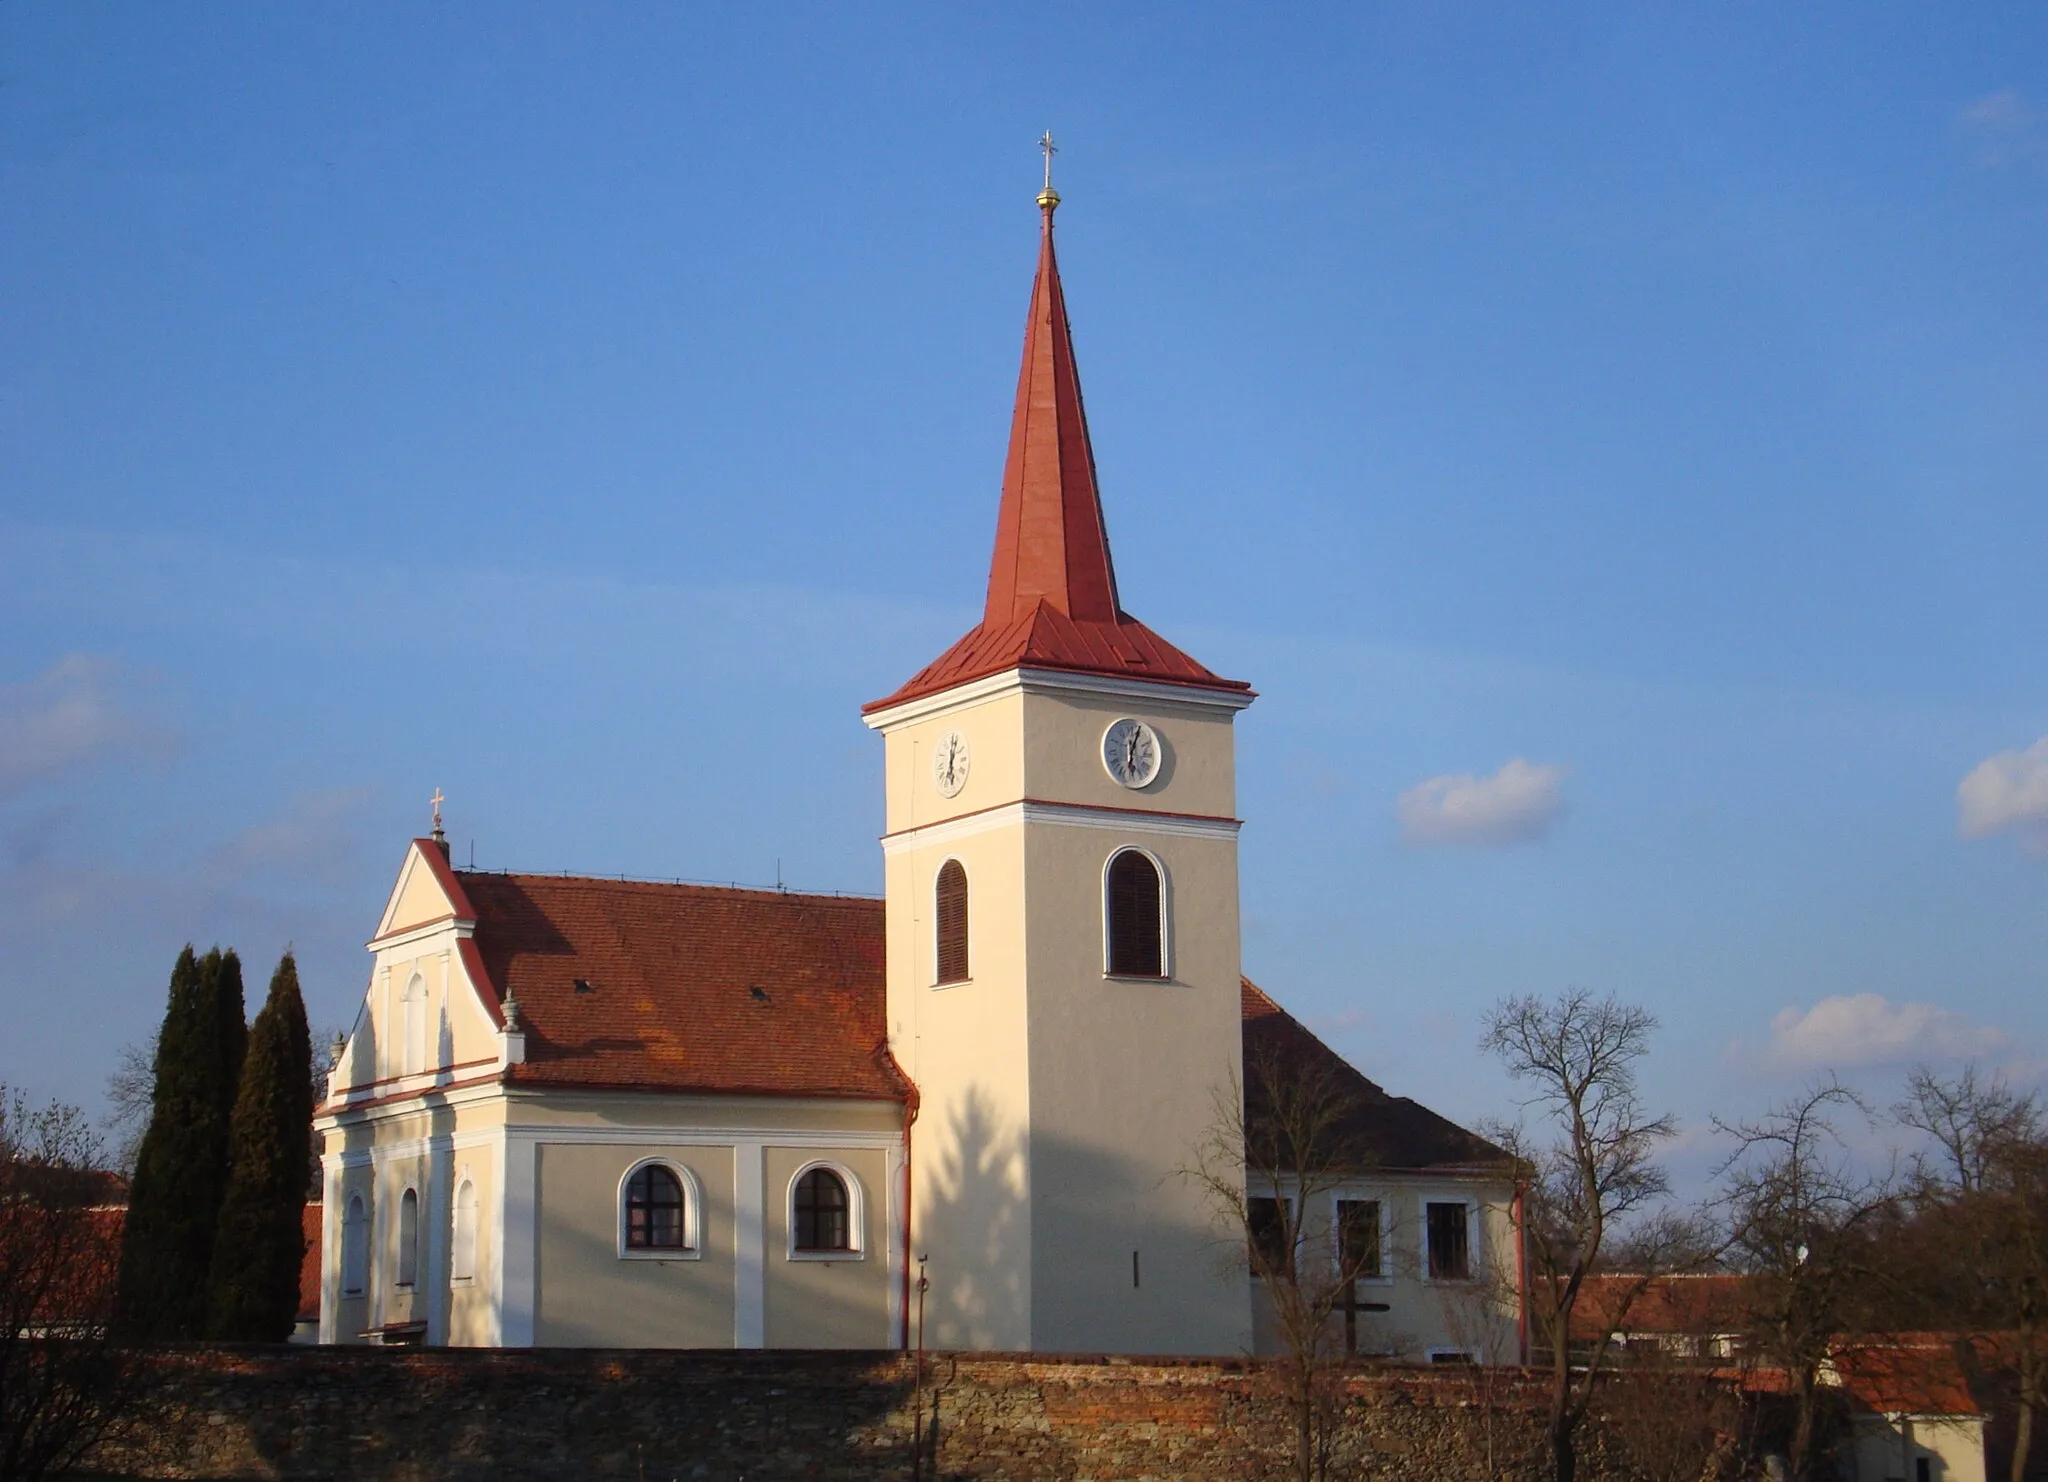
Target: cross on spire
<point>1048,198</point>
<point>437,800</point>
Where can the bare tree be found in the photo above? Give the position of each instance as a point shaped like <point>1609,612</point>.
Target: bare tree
<point>1802,1224</point>
<point>131,1088</point>
<point>1587,1173</point>
<point>1983,1217</point>
<point>1974,1121</point>
<point>62,1385</point>
<point>1279,1148</point>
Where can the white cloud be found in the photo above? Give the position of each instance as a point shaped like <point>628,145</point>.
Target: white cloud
<point>1858,1029</point>
<point>2007,793</point>
<point>1517,804</point>
<point>78,711</point>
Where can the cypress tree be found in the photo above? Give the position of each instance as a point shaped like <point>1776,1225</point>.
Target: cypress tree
<point>181,1170</point>
<point>254,1291</point>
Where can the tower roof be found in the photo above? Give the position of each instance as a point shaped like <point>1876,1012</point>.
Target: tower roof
<point>1052,597</point>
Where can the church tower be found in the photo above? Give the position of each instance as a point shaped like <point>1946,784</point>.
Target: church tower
<point>1062,904</point>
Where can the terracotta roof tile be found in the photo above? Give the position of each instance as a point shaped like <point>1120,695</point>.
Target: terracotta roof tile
<point>1046,638</point>
<point>1680,1305</point>
<point>1905,1374</point>
<point>630,985</point>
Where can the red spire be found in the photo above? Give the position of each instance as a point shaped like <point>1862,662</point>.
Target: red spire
<point>1050,541</point>
<point>1052,600</point>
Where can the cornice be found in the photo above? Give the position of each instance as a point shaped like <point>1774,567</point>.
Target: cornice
<point>1074,815</point>
<point>1056,681</point>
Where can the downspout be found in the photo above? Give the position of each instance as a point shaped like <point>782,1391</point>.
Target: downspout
<point>909,1120</point>
<point>1517,1209</point>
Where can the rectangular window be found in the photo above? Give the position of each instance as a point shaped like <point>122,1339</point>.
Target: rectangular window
<point>1358,1237</point>
<point>1450,1242</point>
<point>1266,1221</point>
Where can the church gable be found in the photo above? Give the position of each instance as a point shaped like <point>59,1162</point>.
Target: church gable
<point>426,894</point>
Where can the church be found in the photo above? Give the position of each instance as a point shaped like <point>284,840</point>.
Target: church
<point>600,1113</point>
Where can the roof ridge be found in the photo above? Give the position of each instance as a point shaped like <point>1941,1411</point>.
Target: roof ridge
<point>654,882</point>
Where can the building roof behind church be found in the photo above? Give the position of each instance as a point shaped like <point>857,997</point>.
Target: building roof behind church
<point>1375,1130</point>
<point>1052,596</point>
<point>653,987</point>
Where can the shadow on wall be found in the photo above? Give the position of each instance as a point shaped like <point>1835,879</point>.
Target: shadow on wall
<point>971,1227</point>
<point>1127,1259</point>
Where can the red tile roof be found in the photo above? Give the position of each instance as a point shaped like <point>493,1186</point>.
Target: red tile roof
<point>1052,598</point>
<point>688,987</point>
<point>1382,1131</point>
<point>1691,1306</point>
<point>1905,1374</point>
<point>1045,638</point>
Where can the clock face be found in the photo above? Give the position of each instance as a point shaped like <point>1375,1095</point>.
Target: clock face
<point>1130,750</point>
<point>949,764</point>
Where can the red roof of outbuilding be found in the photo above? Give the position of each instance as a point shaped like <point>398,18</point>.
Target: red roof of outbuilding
<point>1691,1305</point>
<point>688,987</point>
<point>1052,598</point>
<point>1905,1374</point>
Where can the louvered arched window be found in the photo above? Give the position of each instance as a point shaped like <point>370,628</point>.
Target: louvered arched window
<point>950,909</point>
<point>1132,918</point>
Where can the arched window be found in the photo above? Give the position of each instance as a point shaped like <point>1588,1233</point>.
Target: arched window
<point>462,1251</point>
<point>1132,917</point>
<point>408,1238</point>
<point>355,1248</point>
<point>950,908</point>
<point>657,1210</point>
<point>415,1041</point>
<point>823,1212</point>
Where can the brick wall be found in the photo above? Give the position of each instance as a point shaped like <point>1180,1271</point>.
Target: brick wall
<point>371,1415</point>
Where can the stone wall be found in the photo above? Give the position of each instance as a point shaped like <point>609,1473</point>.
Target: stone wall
<point>391,1415</point>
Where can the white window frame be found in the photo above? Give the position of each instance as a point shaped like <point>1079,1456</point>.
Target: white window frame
<point>406,1268</point>
<point>856,1214</point>
<point>692,1248</point>
<point>458,1257</point>
<point>1385,1275</point>
<point>1475,1251</point>
<point>1165,916</point>
<point>355,1252</point>
<point>955,982</point>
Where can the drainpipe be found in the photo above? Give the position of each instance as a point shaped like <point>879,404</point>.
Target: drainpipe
<point>1521,1275</point>
<point>909,1120</point>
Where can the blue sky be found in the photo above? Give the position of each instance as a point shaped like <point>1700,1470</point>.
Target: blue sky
<point>1612,441</point>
